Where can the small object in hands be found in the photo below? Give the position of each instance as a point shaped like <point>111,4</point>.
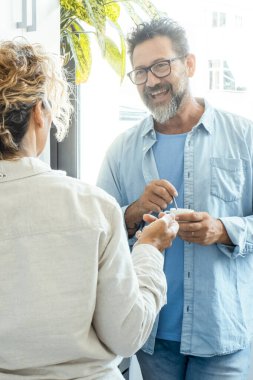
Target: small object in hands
<point>175,203</point>
<point>179,210</point>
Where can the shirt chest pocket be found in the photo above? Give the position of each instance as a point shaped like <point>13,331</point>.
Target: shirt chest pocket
<point>227,178</point>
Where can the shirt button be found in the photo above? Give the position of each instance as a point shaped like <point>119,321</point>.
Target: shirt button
<point>2,175</point>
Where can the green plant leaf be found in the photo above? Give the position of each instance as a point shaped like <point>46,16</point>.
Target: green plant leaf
<point>96,13</point>
<point>116,26</point>
<point>75,8</point>
<point>80,47</point>
<point>114,57</point>
<point>123,57</point>
<point>65,50</point>
<point>112,11</point>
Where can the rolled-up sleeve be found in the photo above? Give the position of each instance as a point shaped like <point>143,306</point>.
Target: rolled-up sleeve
<point>240,231</point>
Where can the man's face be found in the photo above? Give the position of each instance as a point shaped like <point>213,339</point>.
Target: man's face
<point>162,96</point>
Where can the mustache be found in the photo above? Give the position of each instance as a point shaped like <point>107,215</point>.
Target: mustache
<point>158,87</point>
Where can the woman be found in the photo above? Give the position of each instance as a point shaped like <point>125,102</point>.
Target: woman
<point>73,299</point>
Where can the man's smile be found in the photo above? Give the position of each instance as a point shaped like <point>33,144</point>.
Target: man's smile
<point>159,93</point>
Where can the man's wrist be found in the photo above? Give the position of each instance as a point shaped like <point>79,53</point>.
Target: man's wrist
<point>135,226</point>
<point>223,235</point>
<point>132,221</point>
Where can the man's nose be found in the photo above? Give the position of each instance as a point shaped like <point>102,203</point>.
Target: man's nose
<point>152,80</point>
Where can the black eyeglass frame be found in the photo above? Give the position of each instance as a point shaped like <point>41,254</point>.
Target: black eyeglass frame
<point>149,68</point>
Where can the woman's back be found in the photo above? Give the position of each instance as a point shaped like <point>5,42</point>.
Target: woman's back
<point>72,297</point>
<point>49,271</point>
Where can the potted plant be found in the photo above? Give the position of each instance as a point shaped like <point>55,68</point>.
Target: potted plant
<point>80,19</point>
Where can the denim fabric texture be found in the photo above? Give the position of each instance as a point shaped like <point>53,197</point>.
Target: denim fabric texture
<point>168,364</point>
<point>218,179</point>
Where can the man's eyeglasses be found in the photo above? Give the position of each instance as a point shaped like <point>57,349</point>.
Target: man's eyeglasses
<point>160,70</point>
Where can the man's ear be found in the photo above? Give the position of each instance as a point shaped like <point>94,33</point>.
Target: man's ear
<point>190,65</point>
<point>38,114</point>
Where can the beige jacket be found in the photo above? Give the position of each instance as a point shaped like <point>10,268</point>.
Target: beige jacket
<point>72,297</point>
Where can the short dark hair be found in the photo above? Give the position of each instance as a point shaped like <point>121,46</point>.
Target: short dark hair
<point>163,26</point>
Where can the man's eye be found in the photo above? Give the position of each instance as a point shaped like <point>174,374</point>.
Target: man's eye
<point>139,73</point>
<point>161,66</point>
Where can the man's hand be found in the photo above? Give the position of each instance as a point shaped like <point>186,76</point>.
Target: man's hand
<point>155,198</point>
<point>201,228</point>
<point>160,232</point>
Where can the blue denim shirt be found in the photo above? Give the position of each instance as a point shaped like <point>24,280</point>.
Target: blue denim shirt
<point>218,279</point>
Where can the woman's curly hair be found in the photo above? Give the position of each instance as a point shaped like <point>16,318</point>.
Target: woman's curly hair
<point>27,75</point>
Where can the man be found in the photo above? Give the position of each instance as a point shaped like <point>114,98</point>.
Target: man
<point>205,157</point>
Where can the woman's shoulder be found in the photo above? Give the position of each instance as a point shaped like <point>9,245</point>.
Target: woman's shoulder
<point>79,192</point>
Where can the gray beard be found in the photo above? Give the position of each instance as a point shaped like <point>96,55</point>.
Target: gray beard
<point>165,112</point>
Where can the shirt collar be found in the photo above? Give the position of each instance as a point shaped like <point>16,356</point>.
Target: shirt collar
<point>206,120</point>
<point>24,167</point>
<point>148,126</point>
